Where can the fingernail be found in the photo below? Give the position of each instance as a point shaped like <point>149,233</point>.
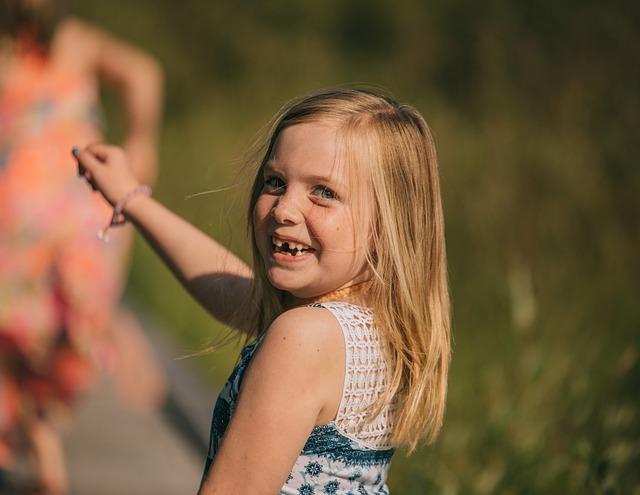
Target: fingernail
<point>75,150</point>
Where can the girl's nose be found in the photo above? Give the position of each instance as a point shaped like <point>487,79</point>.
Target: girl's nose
<point>287,211</point>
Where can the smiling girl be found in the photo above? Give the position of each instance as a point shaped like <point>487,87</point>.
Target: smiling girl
<point>346,304</point>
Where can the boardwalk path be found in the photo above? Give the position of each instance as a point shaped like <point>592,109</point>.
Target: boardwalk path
<point>115,451</point>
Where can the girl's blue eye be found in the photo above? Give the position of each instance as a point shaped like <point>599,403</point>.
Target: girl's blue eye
<point>325,193</point>
<point>274,184</point>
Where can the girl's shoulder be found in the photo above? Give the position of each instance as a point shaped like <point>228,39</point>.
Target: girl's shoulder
<point>311,327</point>
<point>322,321</point>
<point>302,355</point>
<point>316,339</point>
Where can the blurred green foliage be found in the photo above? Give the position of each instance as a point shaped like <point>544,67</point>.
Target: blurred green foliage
<point>534,106</point>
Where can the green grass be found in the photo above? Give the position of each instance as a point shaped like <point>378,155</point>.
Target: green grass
<point>533,113</point>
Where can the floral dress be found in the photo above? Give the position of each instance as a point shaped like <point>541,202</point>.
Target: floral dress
<point>58,282</point>
<point>345,456</point>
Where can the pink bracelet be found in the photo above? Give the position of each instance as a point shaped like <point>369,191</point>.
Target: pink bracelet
<point>118,218</point>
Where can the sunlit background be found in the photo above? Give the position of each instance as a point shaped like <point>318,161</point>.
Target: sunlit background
<point>534,107</point>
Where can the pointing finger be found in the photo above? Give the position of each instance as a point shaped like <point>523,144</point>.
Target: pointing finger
<point>102,151</point>
<point>87,161</point>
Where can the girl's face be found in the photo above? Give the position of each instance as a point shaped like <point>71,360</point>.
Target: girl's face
<point>303,218</point>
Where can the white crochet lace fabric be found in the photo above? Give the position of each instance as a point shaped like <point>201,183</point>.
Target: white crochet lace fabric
<point>365,377</point>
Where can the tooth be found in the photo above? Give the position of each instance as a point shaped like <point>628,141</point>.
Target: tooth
<point>277,242</point>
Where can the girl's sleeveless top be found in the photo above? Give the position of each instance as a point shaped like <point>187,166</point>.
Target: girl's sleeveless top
<point>345,456</point>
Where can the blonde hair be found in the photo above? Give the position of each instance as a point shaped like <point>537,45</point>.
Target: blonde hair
<point>392,146</point>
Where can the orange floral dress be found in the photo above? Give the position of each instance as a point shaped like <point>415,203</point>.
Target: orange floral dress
<point>59,284</point>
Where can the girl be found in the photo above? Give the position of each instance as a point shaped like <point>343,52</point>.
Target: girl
<point>346,304</point>
<point>60,286</point>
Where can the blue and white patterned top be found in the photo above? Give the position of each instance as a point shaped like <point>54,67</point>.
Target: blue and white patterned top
<point>345,456</point>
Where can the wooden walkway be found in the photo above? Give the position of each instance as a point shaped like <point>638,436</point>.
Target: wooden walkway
<point>112,450</point>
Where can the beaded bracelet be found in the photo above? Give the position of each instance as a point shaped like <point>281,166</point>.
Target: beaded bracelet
<point>118,218</point>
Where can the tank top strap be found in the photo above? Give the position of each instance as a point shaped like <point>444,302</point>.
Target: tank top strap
<point>365,376</point>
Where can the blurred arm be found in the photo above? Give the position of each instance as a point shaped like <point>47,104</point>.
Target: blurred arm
<point>138,78</point>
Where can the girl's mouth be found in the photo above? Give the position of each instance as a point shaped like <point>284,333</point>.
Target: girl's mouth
<point>288,248</point>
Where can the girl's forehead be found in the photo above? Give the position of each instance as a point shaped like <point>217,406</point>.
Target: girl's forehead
<point>314,149</point>
<point>304,140</point>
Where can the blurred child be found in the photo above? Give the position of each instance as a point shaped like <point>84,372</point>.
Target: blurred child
<point>59,285</point>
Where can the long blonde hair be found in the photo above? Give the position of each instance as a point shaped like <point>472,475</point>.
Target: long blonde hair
<point>391,145</point>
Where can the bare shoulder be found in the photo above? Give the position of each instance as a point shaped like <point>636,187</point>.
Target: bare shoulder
<point>290,386</point>
<point>75,28</point>
<point>76,44</point>
<point>303,352</point>
<point>307,329</point>
<point>83,47</point>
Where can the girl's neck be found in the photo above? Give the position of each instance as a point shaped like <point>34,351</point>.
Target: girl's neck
<point>355,294</point>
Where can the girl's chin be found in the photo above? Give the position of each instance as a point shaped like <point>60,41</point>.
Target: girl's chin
<point>295,297</point>
<point>294,287</point>
<point>292,290</point>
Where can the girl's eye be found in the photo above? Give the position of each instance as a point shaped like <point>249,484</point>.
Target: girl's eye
<point>274,184</point>
<point>325,193</point>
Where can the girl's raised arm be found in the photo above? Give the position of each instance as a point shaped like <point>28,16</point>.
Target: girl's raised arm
<point>214,276</point>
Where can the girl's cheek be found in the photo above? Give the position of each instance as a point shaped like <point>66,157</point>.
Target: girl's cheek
<point>261,211</point>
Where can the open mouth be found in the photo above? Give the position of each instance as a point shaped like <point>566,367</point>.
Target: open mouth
<point>289,248</point>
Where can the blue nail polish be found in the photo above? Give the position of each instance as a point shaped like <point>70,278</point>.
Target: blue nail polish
<point>75,150</point>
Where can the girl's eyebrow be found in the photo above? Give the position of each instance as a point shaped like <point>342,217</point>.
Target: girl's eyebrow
<point>268,166</point>
<point>326,180</point>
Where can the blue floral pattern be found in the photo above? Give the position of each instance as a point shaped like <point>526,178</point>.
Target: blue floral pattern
<point>331,487</point>
<point>313,468</point>
<point>329,463</point>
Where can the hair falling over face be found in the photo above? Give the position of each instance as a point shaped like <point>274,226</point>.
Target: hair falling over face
<point>389,149</point>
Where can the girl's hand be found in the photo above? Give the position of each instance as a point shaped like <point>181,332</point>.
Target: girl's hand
<point>106,168</point>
